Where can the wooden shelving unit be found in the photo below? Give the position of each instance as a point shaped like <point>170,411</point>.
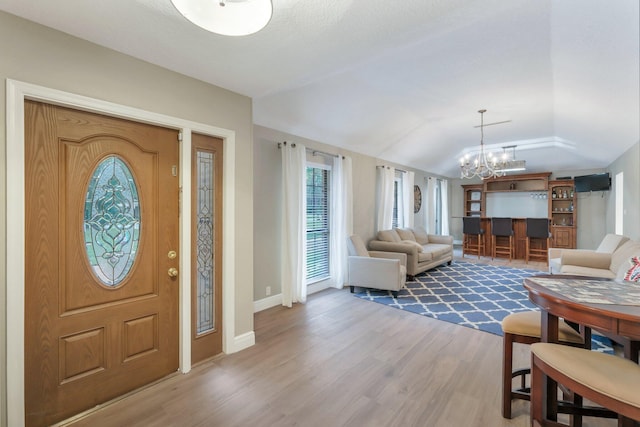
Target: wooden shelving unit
<point>527,182</point>
<point>473,200</point>
<point>563,211</point>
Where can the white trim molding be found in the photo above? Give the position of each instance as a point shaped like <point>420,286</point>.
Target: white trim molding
<point>276,300</point>
<point>16,93</point>
<point>268,302</point>
<point>244,341</point>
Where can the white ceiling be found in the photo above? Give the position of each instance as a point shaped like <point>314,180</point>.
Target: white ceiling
<point>403,80</point>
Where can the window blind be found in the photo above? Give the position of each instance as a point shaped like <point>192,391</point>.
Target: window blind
<point>317,223</point>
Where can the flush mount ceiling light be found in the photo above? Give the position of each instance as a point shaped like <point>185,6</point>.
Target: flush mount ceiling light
<point>227,17</point>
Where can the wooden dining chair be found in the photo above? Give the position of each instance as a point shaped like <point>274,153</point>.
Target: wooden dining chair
<point>537,231</point>
<point>502,237</point>
<point>524,328</point>
<point>607,380</point>
<point>472,236</point>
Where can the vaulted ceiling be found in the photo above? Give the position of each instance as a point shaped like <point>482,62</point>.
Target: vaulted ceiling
<point>403,80</point>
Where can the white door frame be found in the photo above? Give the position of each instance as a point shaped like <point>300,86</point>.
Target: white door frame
<point>16,93</point>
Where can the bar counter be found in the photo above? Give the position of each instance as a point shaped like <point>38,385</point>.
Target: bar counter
<point>519,237</point>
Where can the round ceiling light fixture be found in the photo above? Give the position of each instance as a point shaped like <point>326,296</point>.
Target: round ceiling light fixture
<point>227,17</point>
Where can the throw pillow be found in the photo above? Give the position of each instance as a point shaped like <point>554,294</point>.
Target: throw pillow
<point>389,236</point>
<point>405,234</point>
<point>414,243</point>
<point>622,270</point>
<point>633,274</point>
<point>421,235</point>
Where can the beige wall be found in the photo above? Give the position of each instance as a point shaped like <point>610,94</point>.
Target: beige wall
<point>629,163</point>
<point>268,199</point>
<point>35,54</point>
<point>591,224</point>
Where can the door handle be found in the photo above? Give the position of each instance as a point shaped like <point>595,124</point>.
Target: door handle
<point>173,272</point>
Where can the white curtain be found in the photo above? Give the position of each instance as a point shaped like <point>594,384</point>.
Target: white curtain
<point>407,199</point>
<point>431,206</point>
<point>341,218</point>
<point>444,194</point>
<point>384,209</point>
<point>294,239</point>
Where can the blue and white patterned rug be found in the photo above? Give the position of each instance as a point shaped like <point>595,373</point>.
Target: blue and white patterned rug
<point>477,296</point>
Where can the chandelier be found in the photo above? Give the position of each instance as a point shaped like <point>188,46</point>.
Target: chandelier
<point>483,165</point>
<point>511,164</point>
<point>227,17</point>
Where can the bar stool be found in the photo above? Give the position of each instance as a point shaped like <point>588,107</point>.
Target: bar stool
<point>538,228</point>
<point>525,328</point>
<point>613,385</point>
<point>471,230</point>
<point>501,227</point>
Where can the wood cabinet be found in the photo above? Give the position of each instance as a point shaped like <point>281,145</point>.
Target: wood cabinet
<point>525,182</point>
<point>473,200</point>
<point>563,211</point>
<point>562,204</point>
<point>563,237</point>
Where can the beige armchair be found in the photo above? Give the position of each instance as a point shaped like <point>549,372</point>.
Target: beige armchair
<point>601,262</point>
<point>375,269</point>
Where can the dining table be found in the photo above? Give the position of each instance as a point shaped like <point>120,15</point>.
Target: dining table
<point>610,307</point>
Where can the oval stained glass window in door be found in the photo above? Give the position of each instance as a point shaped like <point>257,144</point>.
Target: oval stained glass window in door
<point>112,221</point>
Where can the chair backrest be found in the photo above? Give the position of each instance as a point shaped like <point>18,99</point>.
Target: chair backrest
<point>356,246</point>
<point>538,227</point>
<point>501,226</point>
<point>471,225</point>
<point>611,242</point>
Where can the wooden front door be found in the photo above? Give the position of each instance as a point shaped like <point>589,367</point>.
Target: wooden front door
<point>101,298</point>
<point>206,247</point>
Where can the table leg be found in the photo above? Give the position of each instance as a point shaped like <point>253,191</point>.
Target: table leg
<point>631,349</point>
<point>627,422</point>
<point>549,333</point>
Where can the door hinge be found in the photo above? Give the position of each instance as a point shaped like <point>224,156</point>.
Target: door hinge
<point>180,136</point>
<point>174,170</point>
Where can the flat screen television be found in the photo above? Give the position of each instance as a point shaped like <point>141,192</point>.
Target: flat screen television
<point>593,182</point>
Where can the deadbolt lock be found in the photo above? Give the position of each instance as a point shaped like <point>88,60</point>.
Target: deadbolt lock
<point>172,255</point>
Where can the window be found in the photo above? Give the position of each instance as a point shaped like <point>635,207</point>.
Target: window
<point>112,221</point>
<point>398,220</point>
<point>438,202</point>
<point>619,225</point>
<point>437,212</point>
<point>318,209</point>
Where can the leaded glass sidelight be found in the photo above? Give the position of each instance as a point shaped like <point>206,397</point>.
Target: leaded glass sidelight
<point>205,235</point>
<point>112,221</point>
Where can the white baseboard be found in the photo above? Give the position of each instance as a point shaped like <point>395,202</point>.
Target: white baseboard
<point>276,300</point>
<point>266,303</point>
<point>243,341</point>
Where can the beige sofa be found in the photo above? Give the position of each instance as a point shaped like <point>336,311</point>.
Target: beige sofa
<point>424,251</point>
<point>610,260</point>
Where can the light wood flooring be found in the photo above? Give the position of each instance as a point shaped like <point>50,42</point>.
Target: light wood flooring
<point>338,361</point>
